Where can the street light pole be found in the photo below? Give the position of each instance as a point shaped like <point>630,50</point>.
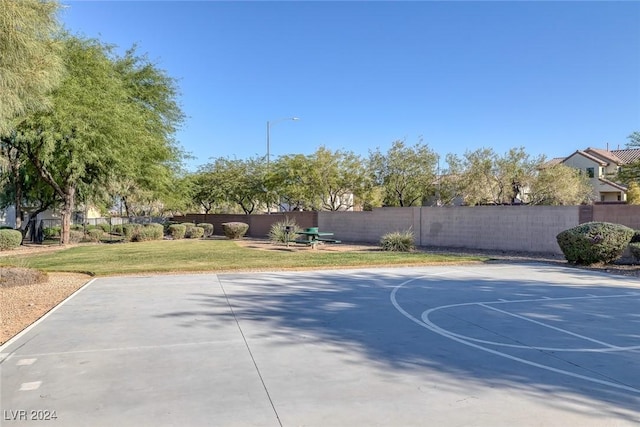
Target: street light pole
<point>269,145</point>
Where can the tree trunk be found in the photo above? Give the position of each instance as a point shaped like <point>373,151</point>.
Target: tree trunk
<point>14,166</point>
<point>126,205</point>
<point>18,199</point>
<point>67,212</point>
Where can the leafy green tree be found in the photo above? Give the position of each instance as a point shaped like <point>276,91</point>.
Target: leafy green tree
<point>30,62</point>
<point>484,177</point>
<point>560,185</point>
<point>633,194</point>
<point>205,192</point>
<point>102,127</point>
<point>235,181</point>
<point>473,176</point>
<point>23,189</point>
<point>153,176</point>
<point>631,172</point>
<point>407,173</point>
<point>337,179</point>
<point>290,180</point>
<point>448,188</point>
<point>634,140</point>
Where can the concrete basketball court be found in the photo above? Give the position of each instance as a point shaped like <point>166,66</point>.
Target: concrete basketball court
<point>476,345</point>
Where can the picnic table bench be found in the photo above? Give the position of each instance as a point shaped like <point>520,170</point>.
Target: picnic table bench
<point>312,237</point>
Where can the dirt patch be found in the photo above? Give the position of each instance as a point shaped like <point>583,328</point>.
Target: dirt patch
<point>24,304</point>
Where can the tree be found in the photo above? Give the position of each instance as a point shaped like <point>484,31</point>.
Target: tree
<point>631,171</point>
<point>205,191</point>
<point>102,127</point>
<point>633,194</point>
<point>336,179</point>
<point>634,140</point>
<point>289,178</point>
<point>235,181</point>
<point>407,174</point>
<point>30,63</point>
<point>154,174</point>
<point>484,177</point>
<point>23,188</point>
<point>560,185</point>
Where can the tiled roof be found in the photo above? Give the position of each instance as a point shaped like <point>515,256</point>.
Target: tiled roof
<point>604,154</point>
<point>552,162</point>
<point>627,156</point>
<point>589,156</point>
<point>613,184</point>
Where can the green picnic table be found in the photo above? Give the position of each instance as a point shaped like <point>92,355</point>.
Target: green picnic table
<point>312,236</point>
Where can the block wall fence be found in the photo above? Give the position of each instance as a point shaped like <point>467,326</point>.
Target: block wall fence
<point>512,228</point>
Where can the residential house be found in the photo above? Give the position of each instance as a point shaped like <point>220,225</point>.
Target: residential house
<point>602,167</point>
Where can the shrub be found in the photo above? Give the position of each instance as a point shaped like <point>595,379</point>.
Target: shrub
<point>20,276</point>
<point>188,227</point>
<point>51,232</point>
<point>76,236</point>
<point>398,241</point>
<point>155,230</point>
<point>148,232</point>
<point>277,233</point>
<point>106,227</point>
<point>235,230</point>
<point>117,229</point>
<point>95,234</point>
<point>208,228</point>
<point>635,250</point>
<point>177,231</point>
<point>167,224</point>
<point>196,232</point>
<point>594,242</point>
<point>10,239</point>
<point>130,231</point>
<point>636,237</point>
<point>77,227</point>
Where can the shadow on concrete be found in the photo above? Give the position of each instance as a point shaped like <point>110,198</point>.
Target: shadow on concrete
<point>353,311</point>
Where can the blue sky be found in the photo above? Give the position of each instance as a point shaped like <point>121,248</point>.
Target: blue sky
<point>552,77</point>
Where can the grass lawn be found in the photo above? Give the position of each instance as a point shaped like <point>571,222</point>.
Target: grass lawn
<point>210,256</point>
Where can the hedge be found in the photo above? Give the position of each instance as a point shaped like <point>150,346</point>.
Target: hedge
<point>10,239</point>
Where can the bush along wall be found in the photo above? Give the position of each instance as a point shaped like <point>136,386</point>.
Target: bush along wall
<point>177,231</point>
<point>594,242</point>
<point>235,230</point>
<point>10,239</point>
<point>208,228</point>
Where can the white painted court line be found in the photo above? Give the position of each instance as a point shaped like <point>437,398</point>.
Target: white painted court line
<point>427,313</point>
<point>37,322</point>
<point>30,386</point>
<point>555,328</point>
<point>123,349</point>
<point>26,362</point>
<point>434,328</point>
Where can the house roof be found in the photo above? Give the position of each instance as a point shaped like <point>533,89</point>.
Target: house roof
<point>604,154</point>
<point>613,184</point>
<point>628,155</point>
<point>552,162</point>
<point>588,156</point>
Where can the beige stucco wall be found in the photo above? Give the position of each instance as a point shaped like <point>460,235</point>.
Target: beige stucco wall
<point>368,226</point>
<point>513,228</point>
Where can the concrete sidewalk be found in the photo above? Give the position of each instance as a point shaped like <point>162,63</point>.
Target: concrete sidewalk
<point>331,349</point>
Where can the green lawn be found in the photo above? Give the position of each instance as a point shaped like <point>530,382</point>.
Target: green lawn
<point>208,255</point>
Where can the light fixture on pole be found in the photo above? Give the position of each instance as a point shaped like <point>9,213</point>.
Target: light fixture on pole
<point>269,124</point>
